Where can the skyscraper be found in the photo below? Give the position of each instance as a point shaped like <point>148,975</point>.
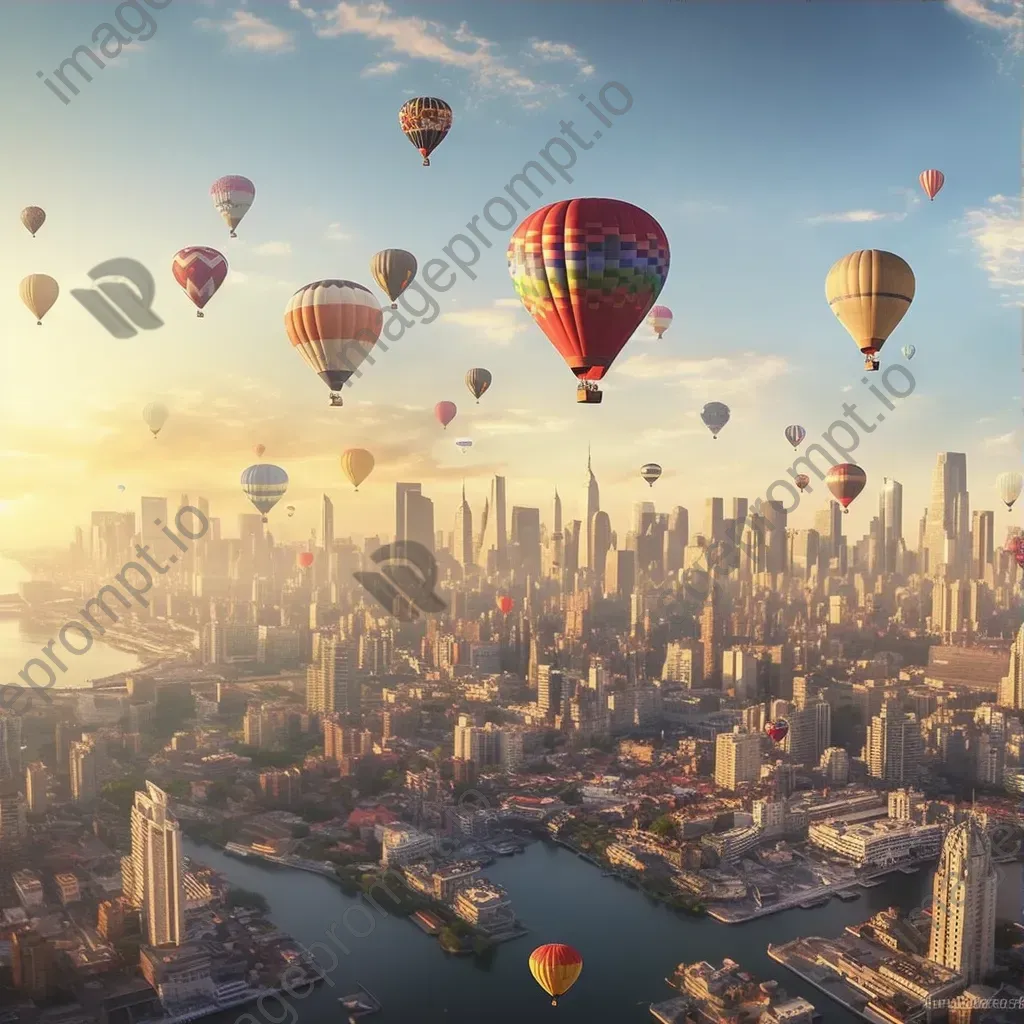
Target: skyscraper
<point>592,505</point>
<point>327,525</point>
<point>494,530</point>
<point>82,760</point>
<point>983,528</point>
<point>1011,689</point>
<point>894,747</point>
<point>964,903</point>
<point>948,515</point>
<point>713,516</point>
<point>331,681</point>
<point>557,541</point>
<point>710,637</point>
<point>152,876</point>
<point>401,490</point>
<point>890,520</point>
<point>462,547</point>
<point>526,540</point>
<point>153,537</point>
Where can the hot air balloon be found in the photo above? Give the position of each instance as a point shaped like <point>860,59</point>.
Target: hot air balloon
<point>795,435</point>
<point>931,182</point>
<point>659,320</point>
<point>33,217</point>
<point>264,485</point>
<point>425,121</point>
<point>290,509</point>
<point>445,413</point>
<point>393,270</point>
<point>1009,487</point>
<point>1015,546</point>
<point>478,380</point>
<point>305,559</point>
<point>464,443</point>
<point>650,472</point>
<point>505,604</point>
<point>909,351</point>
<point>357,464</point>
<point>155,415</point>
<point>870,291</point>
<point>846,481</point>
<point>715,416</point>
<point>334,325</point>
<point>777,730</point>
<point>232,196</point>
<point>200,271</point>
<point>555,968</point>
<point>588,271</point>
<point>39,292</point>
<point>259,449</point>
<point>801,480</point>
<point>120,488</point>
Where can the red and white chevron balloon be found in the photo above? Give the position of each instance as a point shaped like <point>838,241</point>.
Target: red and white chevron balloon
<point>200,271</point>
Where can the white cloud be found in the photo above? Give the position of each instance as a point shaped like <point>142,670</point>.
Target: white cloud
<point>524,423</point>
<point>335,233</point>
<point>246,31</point>
<point>986,419</point>
<point>846,388</point>
<point>855,217</point>
<point>419,39</point>
<point>384,67</point>
<point>497,323</point>
<point>508,303</point>
<point>1002,15</point>
<point>273,249</point>
<point>720,377</point>
<point>998,235</point>
<point>1001,441</point>
<point>561,52</point>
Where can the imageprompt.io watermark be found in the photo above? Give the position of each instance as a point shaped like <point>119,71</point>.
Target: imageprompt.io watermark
<point>405,587</point>
<point>134,304</point>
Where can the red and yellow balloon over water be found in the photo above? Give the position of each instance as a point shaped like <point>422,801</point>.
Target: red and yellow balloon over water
<point>556,968</point>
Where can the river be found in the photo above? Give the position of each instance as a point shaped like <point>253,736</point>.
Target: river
<point>19,642</point>
<point>629,944</point>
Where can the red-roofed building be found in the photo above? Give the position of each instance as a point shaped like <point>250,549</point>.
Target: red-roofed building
<point>368,819</point>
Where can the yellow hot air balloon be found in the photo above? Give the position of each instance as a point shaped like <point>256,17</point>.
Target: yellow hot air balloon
<point>870,291</point>
<point>555,967</point>
<point>39,293</point>
<point>357,465</point>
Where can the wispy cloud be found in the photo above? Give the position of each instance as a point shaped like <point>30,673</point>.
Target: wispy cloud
<point>846,388</point>
<point>519,421</point>
<point>381,69</point>
<point>498,323</point>
<point>997,231</point>
<point>1005,16</point>
<point>337,233</point>
<point>855,217</point>
<point>273,249</point>
<point>718,377</point>
<point>1001,440</point>
<point>415,38</point>
<point>247,31</point>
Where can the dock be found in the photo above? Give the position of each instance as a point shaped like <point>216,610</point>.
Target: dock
<point>428,922</point>
<point>360,1004</point>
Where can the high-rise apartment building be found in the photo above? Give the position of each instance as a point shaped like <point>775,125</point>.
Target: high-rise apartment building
<point>890,520</point>
<point>737,758</point>
<point>550,691</point>
<point>153,875</point>
<point>948,521</point>
<point>332,683</point>
<point>526,540</point>
<point>37,784</point>
<point>13,828</point>
<point>1011,689</point>
<point>894,748</point>
<point>983,528</point>
<point>401,490</point>
<point>10,745</point>
<point>711,631</point>
<point>82,762</point>
<point>964,903</point>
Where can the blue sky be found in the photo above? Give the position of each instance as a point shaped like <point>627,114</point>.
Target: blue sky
<point>768,140</point>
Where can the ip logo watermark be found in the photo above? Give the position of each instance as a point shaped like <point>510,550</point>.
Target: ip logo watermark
<point>404,587</point>
<point>117,305</point>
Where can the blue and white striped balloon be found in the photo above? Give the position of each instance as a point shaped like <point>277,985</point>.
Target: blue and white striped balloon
<point>264,485</point>
<point>795,435</point>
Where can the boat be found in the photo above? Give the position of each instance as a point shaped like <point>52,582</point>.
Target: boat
<point>814,904</point>
<point>910,871</point>
<point>847,894</point>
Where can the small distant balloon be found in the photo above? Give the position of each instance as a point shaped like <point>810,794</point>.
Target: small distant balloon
<point>795,435</point>
<point>290,509</point>
<point>659,320</point>
<point>259,449</point>
<point>715,416</point>
<point>39,292</point>
<point>445,412</point>
<point>357,464</point>
<point>909,351</point>
<point>155,416</point>
<point>478,380</point>
<point>232,196</point>
<point>33,217</point>
<point>464,444</point>
<point>200,271</point>
<point>802,480</point>
<point>778,730</point>
<point>846,481</point>
<point>305,559</point>
<point>1009,486</point>
<point>121,488</point>
<point>393,270</point>
<point>264,485</point>
<point>505,604</point>
<point>650,472</point>
<point>931,181</point>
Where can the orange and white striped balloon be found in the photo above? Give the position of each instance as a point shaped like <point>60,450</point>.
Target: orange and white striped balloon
<point>931,182</point>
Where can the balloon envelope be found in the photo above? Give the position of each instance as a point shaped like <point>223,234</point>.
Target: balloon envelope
<point>846,481</point>
<point>909,351</point>
<point>1009,486</point>
<point>555,967</point>
<point>505,604</point>
<point>200,271</point>
<point>232,196</point>
<point>259,449</point>
<point>777,730</point>
<point>425,121</point>
<point>264,485</point>
<point>715,416</point>
<point>795,435</point>
<point>305,559</point>
<point>801,480</point>
<point>931,182</point>
<point>357,464</point>
<point>650,472</point>
<point>393,270</point>
<point>478,380</point>
<point>659,320</point>
<point>290,509</point>
<point>155,416</point>
<point>334,325</point>
<point>588,271</point>
<point>39,292</point>
<point>33,217</point>
<point>121,488</point>
<point>445,413</point>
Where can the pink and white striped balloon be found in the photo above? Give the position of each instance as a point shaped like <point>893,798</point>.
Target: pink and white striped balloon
<point>232,196</point>
<point>931,182</point>
<point>659,319</point>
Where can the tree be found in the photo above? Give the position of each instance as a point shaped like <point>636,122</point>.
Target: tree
<point>238,897</point>
<point>571,795</point>
<point>665,827</point>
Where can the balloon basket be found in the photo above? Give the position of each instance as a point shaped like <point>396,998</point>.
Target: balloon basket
<point>199,314</point>
<point>588,396</point>
<point>233,235</point>
<point>394,305</point>
<point>39,323</point>
<point>264,520</point>
<point>336,399</point>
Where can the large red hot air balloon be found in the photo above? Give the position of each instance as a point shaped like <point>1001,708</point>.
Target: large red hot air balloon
<point>445,413</point>
<point>931,182</point>
<point>505,604</point>
<point>305,559</point>
<point>846,481</point>
<point>200,271</point>
<point>589,271</point>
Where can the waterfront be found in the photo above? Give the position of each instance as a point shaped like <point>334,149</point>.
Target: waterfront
<point>629,944</point>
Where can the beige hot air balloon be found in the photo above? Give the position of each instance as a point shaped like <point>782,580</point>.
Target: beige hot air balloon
<point>39,293</point>
<point>357,465</point>
<point>870,291</point>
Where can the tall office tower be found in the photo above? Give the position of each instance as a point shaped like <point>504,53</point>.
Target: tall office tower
<point>711,630</point>
<point>983,528</point>
<point>948,515</point>
<point>739,673</point>
<point>401,490</point>
<point>557,541</point>
<point>894,748</point>
<point>600,544</point>
<point>713,516</point>
<point>739,512</point>
<point>153,875</point>
<point>34,967</point>
<point>419,520</point>
<point>253,556</point>
<point>571,548</point>
<point>526,540</point>
<point>810,731</point>
<point>494,530</point>
<point>153,537</point>
<point>964,903</point>
<point>774,513</point>
<point>1011,689</point>
<point>619,573</point>
<point>643,515</point>
<point>82,760</point>
<point>803,551</point>
<point>10,745</point>
<point>327,525</point>
<point>829,524</point>
<point>677,536</point>
<point>550,691</point>
<point>37,784</point>
<point>331,681</point>
<point>13,828</point>
<point>753,546</point>
<point>737,758</point>
<point>462,548</point>
<point>591,505</point>
<point>890,523</point>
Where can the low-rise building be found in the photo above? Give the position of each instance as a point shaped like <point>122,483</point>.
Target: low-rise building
<point>449,878</point>
<point>68,889</point>
<point>29,887</point>
<point>485,906</point>
<point>403,844</point>
<point>878,843</point>
<point>180,975</point>
<point>731,845</point>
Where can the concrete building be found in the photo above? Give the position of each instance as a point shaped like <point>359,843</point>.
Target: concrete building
<point>485,906</point>
<point>737,758</point>
<point>894,749</point>
<point>877,843</point>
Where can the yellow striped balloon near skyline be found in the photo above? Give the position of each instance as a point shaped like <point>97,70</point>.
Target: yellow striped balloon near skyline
<point>39,292</point>
<point>357,464</point>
